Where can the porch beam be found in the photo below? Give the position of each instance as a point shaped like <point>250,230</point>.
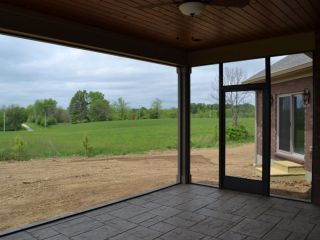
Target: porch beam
<point>302,42</point>
<point>316,123</point>
<point>266,129</point>
<point>184,73</point>
<point>222,129</point>
<point>33,25</point>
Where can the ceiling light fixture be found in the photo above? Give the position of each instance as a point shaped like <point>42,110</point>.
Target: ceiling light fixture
<point>191,8</point>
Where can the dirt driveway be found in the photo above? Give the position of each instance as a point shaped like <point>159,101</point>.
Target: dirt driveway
<point>40,189</point>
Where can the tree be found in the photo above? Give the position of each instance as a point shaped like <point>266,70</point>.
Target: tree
<point>99,110</point>
<point>99,107</point>
<point>93,96</point>
<point>203,110</point>
<point>121,108</point>
<point>14,117</point>
<point>133,114</point>
<point>89,106</point>
<point>155,109</point>
<point>62,115</point>
<point>49,106</point>
<point>42,112</point>
<point>142,113</point>
<point>232,76</point>
<point>78,107</point>
<point>88,149</point>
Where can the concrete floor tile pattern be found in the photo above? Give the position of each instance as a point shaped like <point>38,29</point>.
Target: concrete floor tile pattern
<point>187,212</point>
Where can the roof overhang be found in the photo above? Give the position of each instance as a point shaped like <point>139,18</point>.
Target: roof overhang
<point>289,74</point>
<point>31,24</point>
<point>296,43</point>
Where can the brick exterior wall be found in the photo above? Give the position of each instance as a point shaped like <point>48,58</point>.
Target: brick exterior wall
<point>288,87</point>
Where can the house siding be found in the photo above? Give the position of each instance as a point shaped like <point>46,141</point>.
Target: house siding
<point>288,87</point>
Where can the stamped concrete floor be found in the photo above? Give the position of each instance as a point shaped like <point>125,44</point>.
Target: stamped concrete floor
<point>187,212</point>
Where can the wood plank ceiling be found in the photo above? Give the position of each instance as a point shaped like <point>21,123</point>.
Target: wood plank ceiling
<point>216,26</point>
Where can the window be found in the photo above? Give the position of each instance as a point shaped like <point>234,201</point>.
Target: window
<point>291,124</point>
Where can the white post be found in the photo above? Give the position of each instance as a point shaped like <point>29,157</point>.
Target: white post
<point>4,121</point>
<point>45,119</point>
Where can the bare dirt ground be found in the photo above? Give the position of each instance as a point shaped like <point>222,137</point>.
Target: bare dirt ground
<point>40,189</point>
<point>239,163</point>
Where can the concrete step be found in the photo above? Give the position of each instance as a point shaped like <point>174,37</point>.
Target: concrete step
<point>284,170</point>
<point>274,172</point>
<point>288,167</point>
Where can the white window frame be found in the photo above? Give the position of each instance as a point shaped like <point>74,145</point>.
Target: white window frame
<point>291,153</point>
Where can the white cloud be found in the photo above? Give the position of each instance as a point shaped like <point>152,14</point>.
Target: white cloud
<point>32,70</point>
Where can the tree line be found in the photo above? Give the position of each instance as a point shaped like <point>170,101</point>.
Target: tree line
<point>202,110</point>
<point>84,107</point>
<point>92,106</point>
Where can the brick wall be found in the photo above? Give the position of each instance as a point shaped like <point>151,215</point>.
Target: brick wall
<point>288,87</point>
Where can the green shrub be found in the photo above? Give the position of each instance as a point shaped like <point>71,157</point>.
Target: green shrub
<point>17,152</point>
<point>237,133</point>
<point>19,149</point>
<point>88,149</point>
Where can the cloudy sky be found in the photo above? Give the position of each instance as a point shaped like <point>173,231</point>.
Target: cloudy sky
<point>31,70</point>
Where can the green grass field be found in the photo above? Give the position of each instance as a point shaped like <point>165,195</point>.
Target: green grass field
<point>114,137</point>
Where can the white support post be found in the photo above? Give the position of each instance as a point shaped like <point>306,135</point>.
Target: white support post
<point>4,121</point>
<point>45,119</point>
